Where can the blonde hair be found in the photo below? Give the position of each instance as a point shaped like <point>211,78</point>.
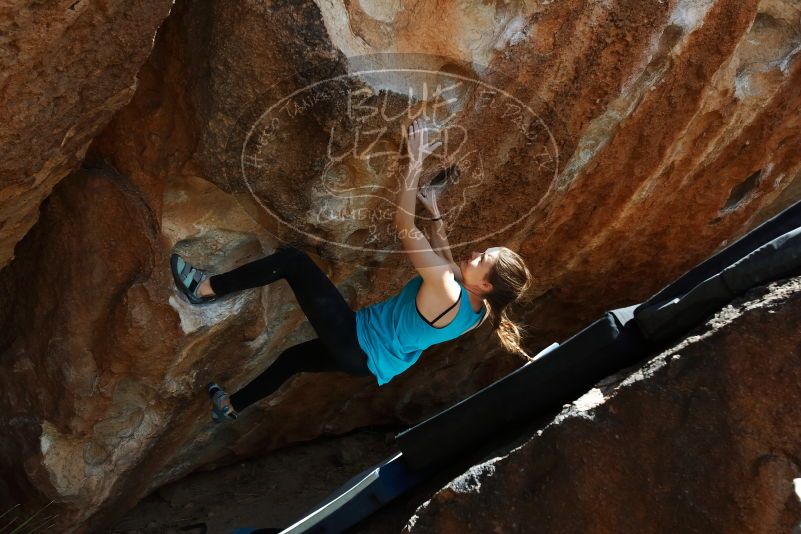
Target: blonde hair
<point>510,279</point>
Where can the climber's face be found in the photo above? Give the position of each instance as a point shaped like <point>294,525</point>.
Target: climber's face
<point>476,268</point>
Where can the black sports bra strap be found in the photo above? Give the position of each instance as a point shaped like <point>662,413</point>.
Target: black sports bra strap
<point>446,311</point>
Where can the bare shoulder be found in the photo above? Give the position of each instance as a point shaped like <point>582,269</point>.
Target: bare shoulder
<point>442,273</point>
<point>447,269</point>
<point>438,292</point>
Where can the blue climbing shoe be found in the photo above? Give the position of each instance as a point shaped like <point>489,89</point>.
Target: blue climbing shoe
<point>188,279</point>
<point>219,411</point>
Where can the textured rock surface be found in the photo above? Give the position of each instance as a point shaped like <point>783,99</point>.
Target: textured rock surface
<point>668,119</point>
<point>704,438</point>
<point>65,68</point>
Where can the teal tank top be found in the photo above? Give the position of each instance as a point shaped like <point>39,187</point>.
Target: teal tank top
<point>394,333</point>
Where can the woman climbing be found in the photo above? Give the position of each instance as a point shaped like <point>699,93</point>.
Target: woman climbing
<point>443,302</point>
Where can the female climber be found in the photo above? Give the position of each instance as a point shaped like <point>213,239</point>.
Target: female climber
<point>382,340</point>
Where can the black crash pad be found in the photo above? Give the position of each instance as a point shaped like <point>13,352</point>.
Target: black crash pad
<point>560,376</point>
<point>712,285</point>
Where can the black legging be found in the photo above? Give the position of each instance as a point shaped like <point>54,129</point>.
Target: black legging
<point>336,348</point>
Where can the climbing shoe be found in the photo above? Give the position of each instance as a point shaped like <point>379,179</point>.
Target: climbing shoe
<point>220,412</point>
<point>188,279</point>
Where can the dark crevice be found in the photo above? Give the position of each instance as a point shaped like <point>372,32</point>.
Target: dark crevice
<point>741,191</point>
<point>450,174</point>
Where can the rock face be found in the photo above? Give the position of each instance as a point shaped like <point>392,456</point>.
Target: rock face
<point>593,138</point>
<point>65,68</point>
<point>704,438</point>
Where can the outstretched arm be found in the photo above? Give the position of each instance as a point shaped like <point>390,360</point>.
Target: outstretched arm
<point>430,265</point>
<point>404,216</point>
<point>439,238</point>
